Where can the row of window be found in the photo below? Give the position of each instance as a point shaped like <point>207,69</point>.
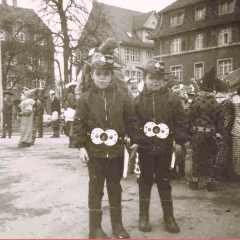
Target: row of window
<point>21,37</point>
<point>224,38</point>
<point>11,79</point>
<point>224,67</point>
<point>136,74</point>
<point>223,8</point>
<point>34,62</point>
<point>134,55</point>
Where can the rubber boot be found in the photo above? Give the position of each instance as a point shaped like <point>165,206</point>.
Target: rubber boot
<point>144,224</point>
<point>95,226</point>
<point>117,226</point>
<point>170,223</point>
<point>211,186</point>
<point>193,185</point>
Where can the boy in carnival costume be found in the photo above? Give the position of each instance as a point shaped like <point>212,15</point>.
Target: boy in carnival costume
<point>161,121</point>
<point>104,115</point>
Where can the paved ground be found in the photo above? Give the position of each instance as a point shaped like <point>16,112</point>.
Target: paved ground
<point>43,194</point>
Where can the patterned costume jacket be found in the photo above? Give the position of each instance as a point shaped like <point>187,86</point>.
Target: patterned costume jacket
<point>168,110</point>
<point>205,112</point>
<point>117,114</point>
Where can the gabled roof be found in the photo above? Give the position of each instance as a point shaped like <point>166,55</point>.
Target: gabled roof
<point>121,22</point>
<point>180,4</point>
<point>26,13</point>
<point>140,20</point>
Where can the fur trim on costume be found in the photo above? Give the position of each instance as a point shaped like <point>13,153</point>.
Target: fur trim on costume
<point>108,46</point>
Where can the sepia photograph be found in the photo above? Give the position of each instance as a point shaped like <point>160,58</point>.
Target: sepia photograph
<point>119,119</point>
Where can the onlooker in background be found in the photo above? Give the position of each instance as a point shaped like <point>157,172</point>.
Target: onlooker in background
<point>204,117</point>
<point>39,117</point>
<point>133,86</point>
<point>70,103</point>
<point>26,119</point>
<point>55,107</point>
<point>7,114</point>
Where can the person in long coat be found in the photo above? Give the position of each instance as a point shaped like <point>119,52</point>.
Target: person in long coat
<point>204,117</point>
<point>7,114</point>
<point>26,118</point>
<point>55,107</point>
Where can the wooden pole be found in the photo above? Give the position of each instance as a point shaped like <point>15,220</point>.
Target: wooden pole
<point>1,88</point>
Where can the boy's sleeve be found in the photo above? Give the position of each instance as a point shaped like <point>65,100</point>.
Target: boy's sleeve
<point>79,125</point>
<point>131,121</point>
<point>179,122</point>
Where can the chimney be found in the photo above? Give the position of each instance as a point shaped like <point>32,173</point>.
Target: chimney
<point>14,3</point>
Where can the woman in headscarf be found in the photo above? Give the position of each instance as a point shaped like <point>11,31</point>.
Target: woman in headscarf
<point>26,118</point>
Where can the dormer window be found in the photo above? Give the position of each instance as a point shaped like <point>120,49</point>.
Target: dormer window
<point>41,84</point>
<point>39,39</point>
<point>2,35</point>
<point>200,14</point>
<point>226,7</point>
<point>177,19</point>
<point>20,37</point>
<point>129,34</point>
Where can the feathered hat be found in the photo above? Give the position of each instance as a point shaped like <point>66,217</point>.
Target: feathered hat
<point>207,83</point>
<point>109,46</point>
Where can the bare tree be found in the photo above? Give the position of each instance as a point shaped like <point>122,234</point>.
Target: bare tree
<point>65,25</point>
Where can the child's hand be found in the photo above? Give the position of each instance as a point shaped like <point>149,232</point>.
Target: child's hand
<point>83,155</point>
<point>134,149</point>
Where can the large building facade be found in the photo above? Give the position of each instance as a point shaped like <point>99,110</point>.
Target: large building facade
<point>27,51</point>
<point>193,35</point>
<point>130,28</point>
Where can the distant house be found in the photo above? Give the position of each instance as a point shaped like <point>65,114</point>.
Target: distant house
<point>27,51</point>
<point>131,30</point>
<point>192,35</point>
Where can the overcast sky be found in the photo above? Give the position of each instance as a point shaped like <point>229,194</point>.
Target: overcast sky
<point>137,5</point>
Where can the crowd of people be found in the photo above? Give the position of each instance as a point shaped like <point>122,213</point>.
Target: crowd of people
<point>156,119</point>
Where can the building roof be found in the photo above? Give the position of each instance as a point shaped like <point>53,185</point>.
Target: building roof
<point>189,24</point>
<point>124,22</point>
<point>26,13</point>
<point>140,20</point>
<point>179,4</point>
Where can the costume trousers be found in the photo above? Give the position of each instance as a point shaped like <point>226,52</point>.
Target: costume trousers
<point>7,124</point>
<point>39,121</point>
<point>204,155</point>
<point>56,128</point>
<point>155,166</point>
<point>101,169</point>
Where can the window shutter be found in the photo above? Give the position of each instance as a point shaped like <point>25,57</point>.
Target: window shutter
<point>205,40</point>
<point>167,47</point>
<point>214,39</point>
<point>234,35</point>
<point>192,43</point>
<point>184,44</point>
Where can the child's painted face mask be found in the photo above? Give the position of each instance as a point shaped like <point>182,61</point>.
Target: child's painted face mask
<point>154,82</point>
<point>102,77</point>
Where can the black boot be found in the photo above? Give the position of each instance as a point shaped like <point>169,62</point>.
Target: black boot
<point>144,224</point>
<point>193,185</point>
<point>71,143</point>
<point>117,226</point>
<point>170,223</point>
<point>95,226</point>
<point>211,186</point>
